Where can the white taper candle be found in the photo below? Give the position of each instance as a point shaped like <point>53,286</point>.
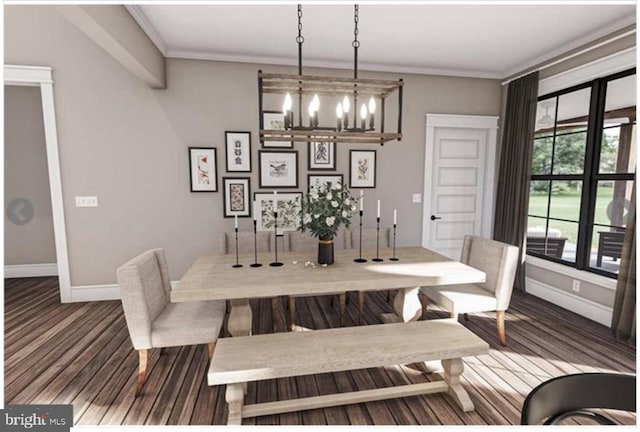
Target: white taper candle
<point>236,221</point>
<point>378,208</point>
<point>361,200</point>
<point>395,216</point>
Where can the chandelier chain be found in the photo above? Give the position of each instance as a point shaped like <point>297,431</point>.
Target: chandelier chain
<point>300,38</point>
<point>356,18</point>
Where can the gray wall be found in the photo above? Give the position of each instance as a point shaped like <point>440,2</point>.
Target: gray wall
<point>127,144</point>
<point>27,177</point>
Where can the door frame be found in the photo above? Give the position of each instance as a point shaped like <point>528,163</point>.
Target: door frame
<point>41,76</point>
<point>488,123</point>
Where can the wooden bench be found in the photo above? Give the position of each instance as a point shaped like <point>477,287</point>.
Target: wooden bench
<point>240,360</point>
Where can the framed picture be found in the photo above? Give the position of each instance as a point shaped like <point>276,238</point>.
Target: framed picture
<point>288,211</point>
<point>274,120</point>
<point>320,179</point>
<point>238,149</point>
<point>203,169</point>
<point>322,156</point>
<point>237,196</point>
<point>362,169</point>
<point>278,169</point>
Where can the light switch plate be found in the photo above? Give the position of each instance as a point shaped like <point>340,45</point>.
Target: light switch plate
<point>417,198</point>
<point>86,201</point>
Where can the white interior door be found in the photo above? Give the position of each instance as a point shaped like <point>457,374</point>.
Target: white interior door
<point>459,173</point>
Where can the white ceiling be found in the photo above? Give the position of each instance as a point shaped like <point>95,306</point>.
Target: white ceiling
<point>492,41</point>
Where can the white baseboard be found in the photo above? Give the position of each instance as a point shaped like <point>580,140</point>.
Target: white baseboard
<point>30,270</point>
<point>587,308</point>
<point>85,293</point>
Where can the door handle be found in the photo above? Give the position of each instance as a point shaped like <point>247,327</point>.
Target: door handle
<point>434,217</point>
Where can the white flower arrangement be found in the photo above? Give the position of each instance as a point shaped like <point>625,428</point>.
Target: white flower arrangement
<point>326,208</point>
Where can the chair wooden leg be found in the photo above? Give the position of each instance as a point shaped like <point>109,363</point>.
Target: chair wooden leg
<point>388,295</point>
<point>466,317</point>
<point>502,335</point>
<point>143,357</point>
<point>292,312</point>
<point>424,301</point>
<point>361,295</point>
<point>211,347</point>
<point>343,304</point>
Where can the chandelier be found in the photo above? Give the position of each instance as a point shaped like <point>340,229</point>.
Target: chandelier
<point>351,123</point>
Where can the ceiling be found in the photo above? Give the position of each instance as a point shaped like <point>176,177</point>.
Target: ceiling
<point>492,41</point>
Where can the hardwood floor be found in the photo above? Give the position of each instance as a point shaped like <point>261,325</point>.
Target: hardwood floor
<point>81,354</point>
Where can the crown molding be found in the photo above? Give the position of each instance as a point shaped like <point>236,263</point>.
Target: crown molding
<point>330,64</point>
<point>141,18</point>
<point>577,43</point>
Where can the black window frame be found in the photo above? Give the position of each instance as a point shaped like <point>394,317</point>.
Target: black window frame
<point>590,175</point>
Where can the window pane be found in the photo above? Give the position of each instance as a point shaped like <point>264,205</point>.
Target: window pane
<point>617,150</point>
<point>558,241</point>
<point>620,104</point>
<point>545,117</point>
<point>573,111</point>
<point>542,148</point>
<point>538,198</point>
<point>613,204</point>
<point>562,240</point>
<point>566,199</point>
<point>569,154</point>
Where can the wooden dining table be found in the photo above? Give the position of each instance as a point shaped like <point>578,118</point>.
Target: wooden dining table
<point>213,277</point>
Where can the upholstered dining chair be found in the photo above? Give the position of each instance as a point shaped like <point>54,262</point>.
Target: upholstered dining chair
<point>296,241</point>
<point>246,242</point>
<point>153,321</point>
<point>498,261</point>
<point>369,242</point>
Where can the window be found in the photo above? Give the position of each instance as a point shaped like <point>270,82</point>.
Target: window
<point>582,172</point>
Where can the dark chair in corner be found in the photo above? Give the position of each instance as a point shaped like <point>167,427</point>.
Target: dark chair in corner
<point>574,395</point>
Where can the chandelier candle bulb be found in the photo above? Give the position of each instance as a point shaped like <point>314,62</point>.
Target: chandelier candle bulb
<point>339,117</point>
<point>372,111</point>
<point>363,116</point>
<point>311,112</point>
<point>316,107</point>
<point>346,106</point>
<point>286,110</point>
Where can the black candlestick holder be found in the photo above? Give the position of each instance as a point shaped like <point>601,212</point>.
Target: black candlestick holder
<point>377,258</point>
<point>237,264</point>
<point>394,258</point>
<point>360,259</point>
<point>275,238</point>
<point>255,246</point>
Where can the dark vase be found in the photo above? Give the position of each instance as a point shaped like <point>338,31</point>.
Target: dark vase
<point>325,250</point>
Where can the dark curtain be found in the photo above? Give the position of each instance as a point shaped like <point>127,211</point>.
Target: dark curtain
<point>512,194</point>
<point>624,306</point>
